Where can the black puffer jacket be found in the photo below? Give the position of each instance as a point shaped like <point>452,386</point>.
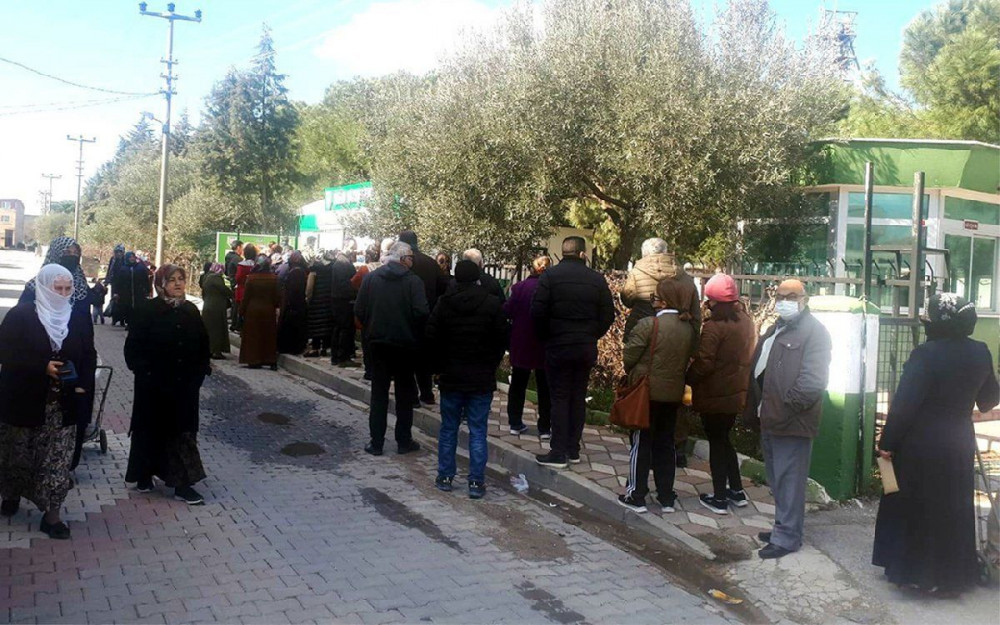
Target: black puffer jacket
<point>572,305</point>
<point>342,270</point>
<point>392,306</point>
<point>468,333</point>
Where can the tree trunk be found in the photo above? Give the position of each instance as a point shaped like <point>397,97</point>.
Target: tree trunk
<point>623,253</point>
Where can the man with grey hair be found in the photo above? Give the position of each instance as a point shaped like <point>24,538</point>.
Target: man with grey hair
<point>491,284</point>
<point>656,264</point>
<point>392,307</point>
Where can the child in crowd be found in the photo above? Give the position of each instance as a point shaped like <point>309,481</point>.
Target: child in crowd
<point>98,293</point>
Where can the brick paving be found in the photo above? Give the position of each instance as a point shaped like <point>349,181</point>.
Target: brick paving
<point>334,537</point>
<point>604,456</point>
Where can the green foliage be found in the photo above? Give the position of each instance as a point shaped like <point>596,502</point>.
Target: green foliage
<point>950,64</point>
<point>62,206</point>
<point>247,144</point>
<point>629,106</point>
<point>53,225</point>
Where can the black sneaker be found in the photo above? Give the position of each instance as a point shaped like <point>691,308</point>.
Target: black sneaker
<point>59,531</point>
<point>407,447</point>
<point>574,458</point>
<point>772,552</point>
<point>718,506</point>
<point>443,483</point>
<point>517,430</point>
<point>552,460</point>
<point>144,486</point>
<point>738,498</point>
<point>668,504</point>
<point>188,495</point>
<point>545,436</point>
<point>632,503</point>
<point>765,537</point>
<point>9,507</point>
<point>373,449</point>
<point>477,490</point>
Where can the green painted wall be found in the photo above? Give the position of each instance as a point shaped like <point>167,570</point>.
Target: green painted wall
<point>973,167</point>
<point>835,462</point>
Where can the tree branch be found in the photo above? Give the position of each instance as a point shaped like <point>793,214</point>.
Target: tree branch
<point>601,195</point>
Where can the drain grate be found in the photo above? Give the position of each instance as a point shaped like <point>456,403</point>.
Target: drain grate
<point>300,448</point>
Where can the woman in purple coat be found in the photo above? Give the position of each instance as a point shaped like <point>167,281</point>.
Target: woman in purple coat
<point>526,354</point>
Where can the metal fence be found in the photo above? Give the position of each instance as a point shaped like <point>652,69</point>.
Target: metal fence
<point>897,338</point>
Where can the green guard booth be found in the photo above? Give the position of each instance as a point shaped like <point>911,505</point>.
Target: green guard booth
<point>843,451</point>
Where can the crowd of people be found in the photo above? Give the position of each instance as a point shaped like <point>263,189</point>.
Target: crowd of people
<point>430,323</point>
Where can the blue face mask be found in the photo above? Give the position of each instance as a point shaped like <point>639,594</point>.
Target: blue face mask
<point>787,310</point>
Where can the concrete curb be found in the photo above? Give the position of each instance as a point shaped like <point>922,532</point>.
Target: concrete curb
<point>512,459</point>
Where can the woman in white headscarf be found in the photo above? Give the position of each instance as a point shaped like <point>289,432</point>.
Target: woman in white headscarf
<point>45,357</point>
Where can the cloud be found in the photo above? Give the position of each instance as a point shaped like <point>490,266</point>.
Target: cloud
<point>409,35</point>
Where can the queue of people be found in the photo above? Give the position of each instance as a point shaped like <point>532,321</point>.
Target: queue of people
<point>425,323</point>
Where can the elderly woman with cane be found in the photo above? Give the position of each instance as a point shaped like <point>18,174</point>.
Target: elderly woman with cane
<point>168,350</point>
<point>46,354</point>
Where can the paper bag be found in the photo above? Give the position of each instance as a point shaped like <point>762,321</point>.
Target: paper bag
<point>889,484</point>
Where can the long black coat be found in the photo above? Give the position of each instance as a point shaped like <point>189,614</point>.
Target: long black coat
<point>131,287</point>
<point>168,351</point>
<point>572,305</point>
<point>925,533</point>
<point>25,353</point>
<point>468,334</point>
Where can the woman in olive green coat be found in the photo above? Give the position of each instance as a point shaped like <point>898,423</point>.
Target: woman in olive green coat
<point>218,298</point>
<point>660,347</point>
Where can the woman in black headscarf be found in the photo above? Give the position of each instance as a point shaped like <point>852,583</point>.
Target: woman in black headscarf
<point>925,534</point>
<point>168,350</point>
<point>293,320</point>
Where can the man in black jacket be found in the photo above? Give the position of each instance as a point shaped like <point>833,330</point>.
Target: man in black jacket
<point>572,309</point>
<point>233,258</point>
<point>468,335</point>
<point>392,308</point>
<point>425,268</point>
<point>341,303</point>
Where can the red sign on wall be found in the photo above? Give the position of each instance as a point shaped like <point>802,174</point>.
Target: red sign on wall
<point>971,224</point>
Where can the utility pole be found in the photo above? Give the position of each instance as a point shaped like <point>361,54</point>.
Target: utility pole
<point>79,183</point>
<point>48,199</point>
<point>168,93</point>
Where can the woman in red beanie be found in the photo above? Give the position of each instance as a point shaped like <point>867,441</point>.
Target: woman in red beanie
<point>719,376</point>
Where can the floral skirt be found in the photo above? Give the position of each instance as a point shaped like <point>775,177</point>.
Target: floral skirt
<point>35,461</point>
<point>173,458</point>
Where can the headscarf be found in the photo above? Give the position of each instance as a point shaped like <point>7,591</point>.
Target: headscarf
<point>262,264</point>
<point>53,310</point>
<point>949,316</point>
<point>57,248</point>
<point>296,259</point>
<point>131,256</point>
<point>160,279</point>
<point>119,247</point>
<point>216,268</point>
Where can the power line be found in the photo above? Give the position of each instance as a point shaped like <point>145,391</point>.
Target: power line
<point>71,106</point>
<point>74,84</point>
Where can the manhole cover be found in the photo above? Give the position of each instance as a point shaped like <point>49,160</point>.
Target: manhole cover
<point>273,418</point>
<point>302,449</point>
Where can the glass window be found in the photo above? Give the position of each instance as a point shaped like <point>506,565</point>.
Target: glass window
<point>983,212</point>
<point>885,205</point>
<point>972,268</point>
<point>881,235</point>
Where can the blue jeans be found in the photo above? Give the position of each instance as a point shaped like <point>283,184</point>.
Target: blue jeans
<point>475,409</point>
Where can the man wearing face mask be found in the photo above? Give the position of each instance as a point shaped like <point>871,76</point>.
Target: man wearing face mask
<point>790,369</point>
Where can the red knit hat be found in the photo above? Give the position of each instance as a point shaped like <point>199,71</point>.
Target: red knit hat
<point>721,288</point>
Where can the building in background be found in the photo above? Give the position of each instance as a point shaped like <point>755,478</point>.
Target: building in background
<point>11,223</point>
<point>325,224</point>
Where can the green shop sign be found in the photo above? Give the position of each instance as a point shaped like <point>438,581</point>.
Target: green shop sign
<point>348,197</point>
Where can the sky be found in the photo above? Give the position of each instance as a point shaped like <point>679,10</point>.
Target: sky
<point>107,44</point>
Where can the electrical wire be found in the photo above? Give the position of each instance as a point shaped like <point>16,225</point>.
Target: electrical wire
<point>75,84</point>
<point>86,104</point>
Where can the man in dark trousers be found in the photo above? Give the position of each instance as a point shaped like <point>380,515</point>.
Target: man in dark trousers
<point>342,299</point>
<point>393,309</point>
<point>425,268</point>
<point>233,258</point>
<point>468,334</point>
<point>572,309</point>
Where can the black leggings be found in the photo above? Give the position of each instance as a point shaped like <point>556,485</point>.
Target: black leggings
<point>722,455</point>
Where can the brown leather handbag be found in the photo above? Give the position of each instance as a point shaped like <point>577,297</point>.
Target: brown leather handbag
<point>631,407</point>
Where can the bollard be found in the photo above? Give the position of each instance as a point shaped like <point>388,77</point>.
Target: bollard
<point>843,451</point>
